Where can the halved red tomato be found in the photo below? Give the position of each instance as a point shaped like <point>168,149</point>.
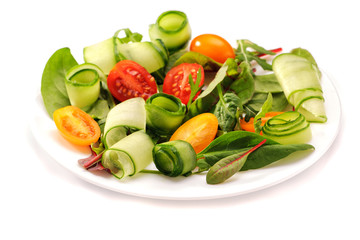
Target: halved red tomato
<point>176,81</point>
<point>129,79</point>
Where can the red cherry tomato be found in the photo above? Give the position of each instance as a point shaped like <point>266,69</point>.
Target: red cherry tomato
<point>213,46</point>
<point>176,81</point>
<point>129,79</point>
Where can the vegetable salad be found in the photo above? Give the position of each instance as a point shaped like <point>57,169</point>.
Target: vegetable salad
<point>188,105</point>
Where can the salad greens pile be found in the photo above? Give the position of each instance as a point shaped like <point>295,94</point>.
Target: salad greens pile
<point>235,92</point>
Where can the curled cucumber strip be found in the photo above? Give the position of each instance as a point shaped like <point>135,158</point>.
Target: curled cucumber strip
<point>124,158</point>
<point>82,84</point>
<point>164,113</point>
<point>300,80</point>
<point>288,128</point>
<point>102,54</point>
<point>174,158</point>
<point>173,28</point>
<point>129,115</point>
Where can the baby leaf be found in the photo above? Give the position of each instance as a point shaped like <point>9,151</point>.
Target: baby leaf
<point>228,166</point>
<point>242,54</point>
<point>264,109</point>
<point>226,110</point>
<point>53,89</point>
<point>195,87</point>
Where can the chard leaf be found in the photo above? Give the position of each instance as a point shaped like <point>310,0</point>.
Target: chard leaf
<point>242,53</point>
<point>53,90</point>
<point>228,166</point>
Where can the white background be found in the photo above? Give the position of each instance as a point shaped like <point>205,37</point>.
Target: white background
<point>40,199</point>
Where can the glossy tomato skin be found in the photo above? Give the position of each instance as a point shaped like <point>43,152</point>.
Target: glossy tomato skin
<point>199,131</point>
<point>213,46</point>
<point>76,126</point>
<point>129,79</point>
<point>176,81</point>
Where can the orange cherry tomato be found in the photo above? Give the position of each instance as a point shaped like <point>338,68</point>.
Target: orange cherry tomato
<point>199,131</point>
<point>249,126</point>
<point>76,126</point>
<point>213,46</point>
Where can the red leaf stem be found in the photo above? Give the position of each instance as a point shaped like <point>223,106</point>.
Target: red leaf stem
<point>90,161</point>
<point>276,50</point>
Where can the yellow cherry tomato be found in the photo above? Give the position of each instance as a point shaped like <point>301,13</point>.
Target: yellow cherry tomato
<point>199,131</point>
<point>76,126</point>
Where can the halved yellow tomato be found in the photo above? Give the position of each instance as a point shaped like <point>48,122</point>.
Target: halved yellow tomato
<point>199,131</point>
<point>76,126</point>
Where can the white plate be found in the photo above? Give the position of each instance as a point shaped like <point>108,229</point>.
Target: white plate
<point>193,187</point>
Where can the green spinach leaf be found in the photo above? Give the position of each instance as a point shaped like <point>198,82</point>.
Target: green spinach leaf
<point>195,57</point>
<point>244,85</point>
<point>272,153</point>
<point>254,105</point>
<point>236,142</point>
<point>267,83</point>
<point>53,88</point>
<point>227,110</point>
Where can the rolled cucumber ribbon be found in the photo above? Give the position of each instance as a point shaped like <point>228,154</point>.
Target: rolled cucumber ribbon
<point>288,128</point>
<point>174,158</point>
<point>173,28</point>
<point>129,155</point>
<point>126,116</point>
<point>83,84</point>
<point>164,113</point>
<point>300,80</point>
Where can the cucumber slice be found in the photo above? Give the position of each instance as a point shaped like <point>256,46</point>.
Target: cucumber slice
<point>174,158</point>
<point>83,84</point>
<point>127,115</point>
<point>300,81</point>
<point>164,113</point>
<point>145,54</point>
<point>102,54</point>
<point>124,158</point>
<point>173,28</point>
<point>288,128</point>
